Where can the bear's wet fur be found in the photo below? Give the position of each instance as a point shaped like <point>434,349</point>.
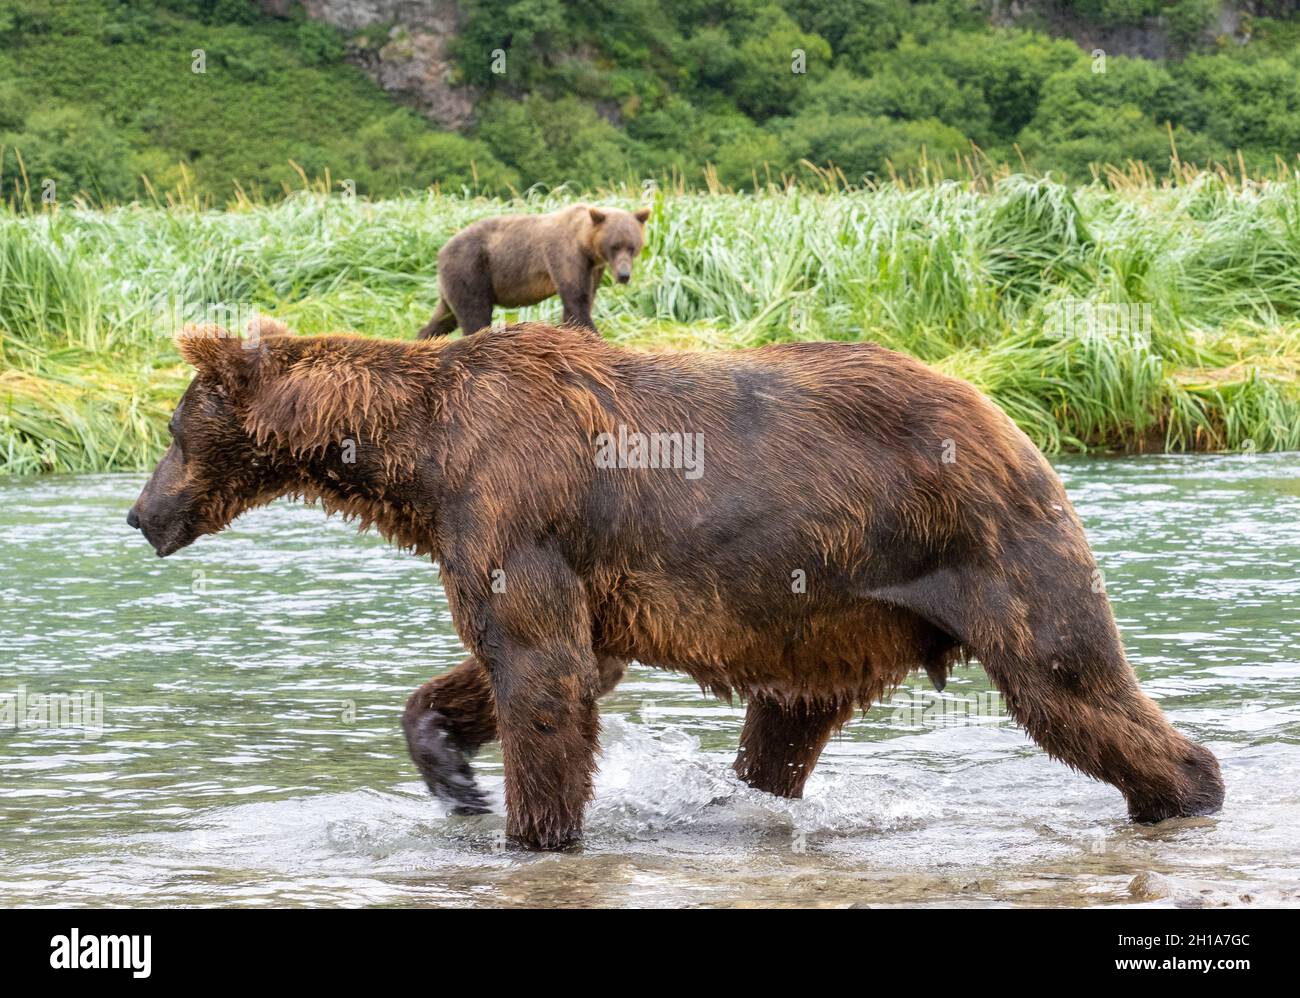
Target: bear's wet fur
<point>857,516</point>
<point>518,260</point>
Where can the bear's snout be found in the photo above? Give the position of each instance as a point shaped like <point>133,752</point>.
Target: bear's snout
<point>623,275</point>
<point>163,533</point>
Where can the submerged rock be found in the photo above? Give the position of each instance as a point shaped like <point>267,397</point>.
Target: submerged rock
<point>1149,886</point>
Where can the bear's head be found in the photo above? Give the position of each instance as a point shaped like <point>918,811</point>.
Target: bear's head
<point>212,469</point>
<point>274,414</point>
<point>617,237</point>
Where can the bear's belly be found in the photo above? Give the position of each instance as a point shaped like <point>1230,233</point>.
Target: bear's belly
<point>520,289</point>
<point>856,652</point>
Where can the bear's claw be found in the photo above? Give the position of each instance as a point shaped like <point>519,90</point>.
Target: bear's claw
<point>444,765</point>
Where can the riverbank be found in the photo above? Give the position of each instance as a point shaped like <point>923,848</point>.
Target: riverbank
<point>1116,317</point>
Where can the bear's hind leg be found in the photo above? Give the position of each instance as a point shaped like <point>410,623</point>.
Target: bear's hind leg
<point>1049,642</point>
<point>466,288</point>
<point>781,742</point>
<point>446,721</point>
<point>443,322</point>
<point>1089,713</point>
<point>1067,681</point>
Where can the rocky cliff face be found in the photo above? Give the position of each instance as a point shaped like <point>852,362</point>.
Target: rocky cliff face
<point>404,46</point>
<point>1150,39</point>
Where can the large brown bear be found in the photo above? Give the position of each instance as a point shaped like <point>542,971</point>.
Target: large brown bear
<point>518,260</point>
<point>798,526</point>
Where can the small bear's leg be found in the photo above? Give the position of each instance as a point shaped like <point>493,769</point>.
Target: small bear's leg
<point>577,311</point>
<point>577,288</point>
<point>446,721</point>
<point>469,294</point>
<point>780,743</point>
<point>475,316</point>
<point>443,322</point>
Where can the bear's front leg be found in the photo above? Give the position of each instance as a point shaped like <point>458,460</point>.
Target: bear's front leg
<point>575,281</point>
<point>445,722</point>
<point>533,632</point>
<point>577,310</point>
<point>546,705</point>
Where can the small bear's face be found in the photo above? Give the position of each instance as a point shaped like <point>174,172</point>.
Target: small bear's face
<point>618,238</point>
<point>211,472</point>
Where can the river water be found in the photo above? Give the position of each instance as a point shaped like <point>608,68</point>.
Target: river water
<point>222,728</point>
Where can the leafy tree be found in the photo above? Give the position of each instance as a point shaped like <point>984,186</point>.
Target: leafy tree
<point>399,152</point>
<point>1249,103</point>
<point>1114,133</point>
<point>865,146</point>
<point>78,150</point>
<point>750,156</point>
<point>1188,20</point>
<point>776,62</point>
<point>15,103</point>
<point>602,90</point>
<point>522,29</point>
<point>543,140</point>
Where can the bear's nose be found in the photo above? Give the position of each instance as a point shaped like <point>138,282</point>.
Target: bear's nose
<point>624,276</point>
<point>133,518</point>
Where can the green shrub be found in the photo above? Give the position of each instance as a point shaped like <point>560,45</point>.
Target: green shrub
<point>319,43</point>
<point>79,152</point>
<point>398,152</point>
<point>965,279</point>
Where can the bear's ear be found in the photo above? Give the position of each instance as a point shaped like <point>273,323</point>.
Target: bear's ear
<point>233,361</point>
<point>264,325</point>
<point>641,214</point>
<point>214,352</point>
<point>597,216</point>
<point>209,350</point>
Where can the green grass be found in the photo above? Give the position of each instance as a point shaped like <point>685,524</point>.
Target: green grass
<point>969,276</point>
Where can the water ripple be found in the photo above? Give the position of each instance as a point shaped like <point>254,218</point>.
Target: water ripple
<point>247,749</point>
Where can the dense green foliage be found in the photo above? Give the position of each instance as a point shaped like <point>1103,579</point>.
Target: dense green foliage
<point>986,285</point>
<point>96,93</point>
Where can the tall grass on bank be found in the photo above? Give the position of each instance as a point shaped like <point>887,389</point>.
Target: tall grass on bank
<point>973,278</point>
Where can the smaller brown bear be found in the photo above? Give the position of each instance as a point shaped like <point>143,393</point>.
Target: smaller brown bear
<point>519,260</point>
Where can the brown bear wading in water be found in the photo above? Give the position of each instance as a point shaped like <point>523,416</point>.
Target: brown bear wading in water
<point>519,260</point>
<point>823,462</point>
